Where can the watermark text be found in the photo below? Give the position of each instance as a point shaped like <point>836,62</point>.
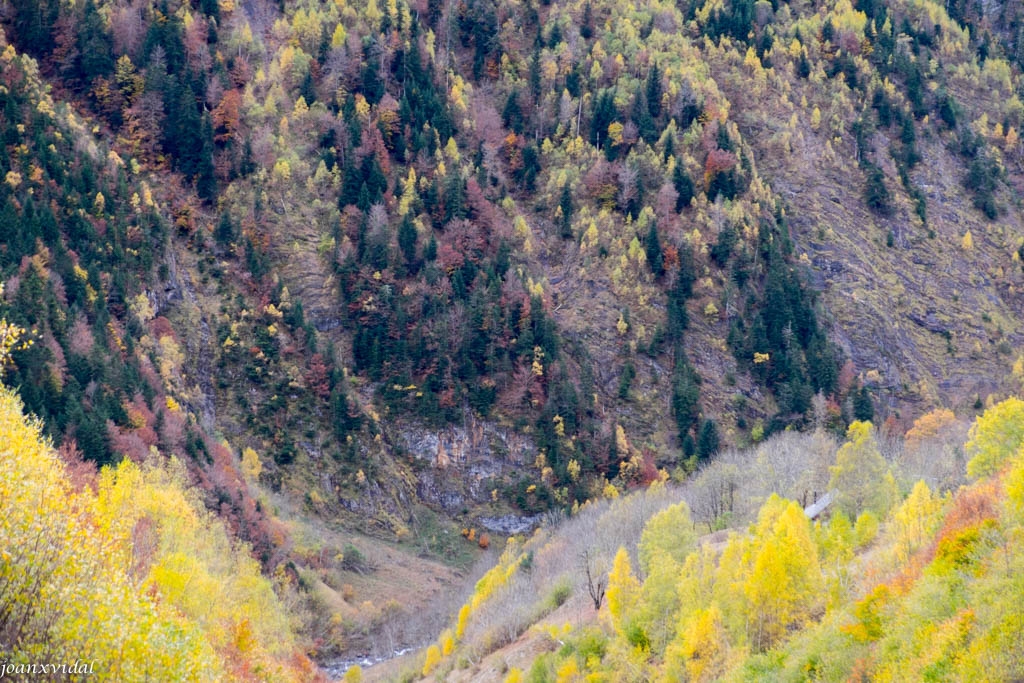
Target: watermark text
<point>9,669</point>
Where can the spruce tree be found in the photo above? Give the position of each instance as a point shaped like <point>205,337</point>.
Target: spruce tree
<point>683,186</point>
<point>604,115</point>
<point>708,442</point>
<point>654,92</point>
<point>512,114</point>
<point>863,408</point>
<point>210,8</point>
<point>95,50</point>
<point>206,180</point>
<point>565,203</point>
<point>655,257</point>
<point>407,242</point>
<point>225,231</point>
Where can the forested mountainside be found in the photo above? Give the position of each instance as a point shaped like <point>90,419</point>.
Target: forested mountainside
<point>378,273</point>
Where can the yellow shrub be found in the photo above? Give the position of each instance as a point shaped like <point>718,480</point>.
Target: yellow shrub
<point>432,660</point>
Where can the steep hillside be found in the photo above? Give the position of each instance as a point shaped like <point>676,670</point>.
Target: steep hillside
<point>936,321</point>
<point>381,273</point>
<point>897,581</point>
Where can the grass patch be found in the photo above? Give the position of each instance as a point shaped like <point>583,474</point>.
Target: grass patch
<point>561,592</point>
<point>436,538</point>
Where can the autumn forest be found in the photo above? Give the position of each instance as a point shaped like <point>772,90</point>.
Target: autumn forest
<point>512,340</point>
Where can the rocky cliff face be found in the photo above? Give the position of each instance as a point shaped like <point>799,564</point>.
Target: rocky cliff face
<point>460,465</point>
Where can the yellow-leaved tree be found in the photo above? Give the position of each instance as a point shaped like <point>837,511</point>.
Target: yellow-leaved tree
<point>432,659</point>
<point>667,539</point>
<point>835,543</point>
<point>785,582</point>
<point>658,602</point>
<point>669,531</point>
<point>861,474</point>
<point>994,437</point>
<point>702,650</point>
<point>913,523</point>
<point>734,566</point>
<point>623,589</point>
<point>1015,489</point>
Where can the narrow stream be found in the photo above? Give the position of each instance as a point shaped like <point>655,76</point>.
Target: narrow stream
<point>335,669</point>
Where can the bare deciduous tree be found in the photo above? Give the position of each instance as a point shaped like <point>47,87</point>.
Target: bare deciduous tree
<point>595,586</point>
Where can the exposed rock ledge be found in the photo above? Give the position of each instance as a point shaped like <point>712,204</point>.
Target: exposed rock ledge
<point>510,525</point>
